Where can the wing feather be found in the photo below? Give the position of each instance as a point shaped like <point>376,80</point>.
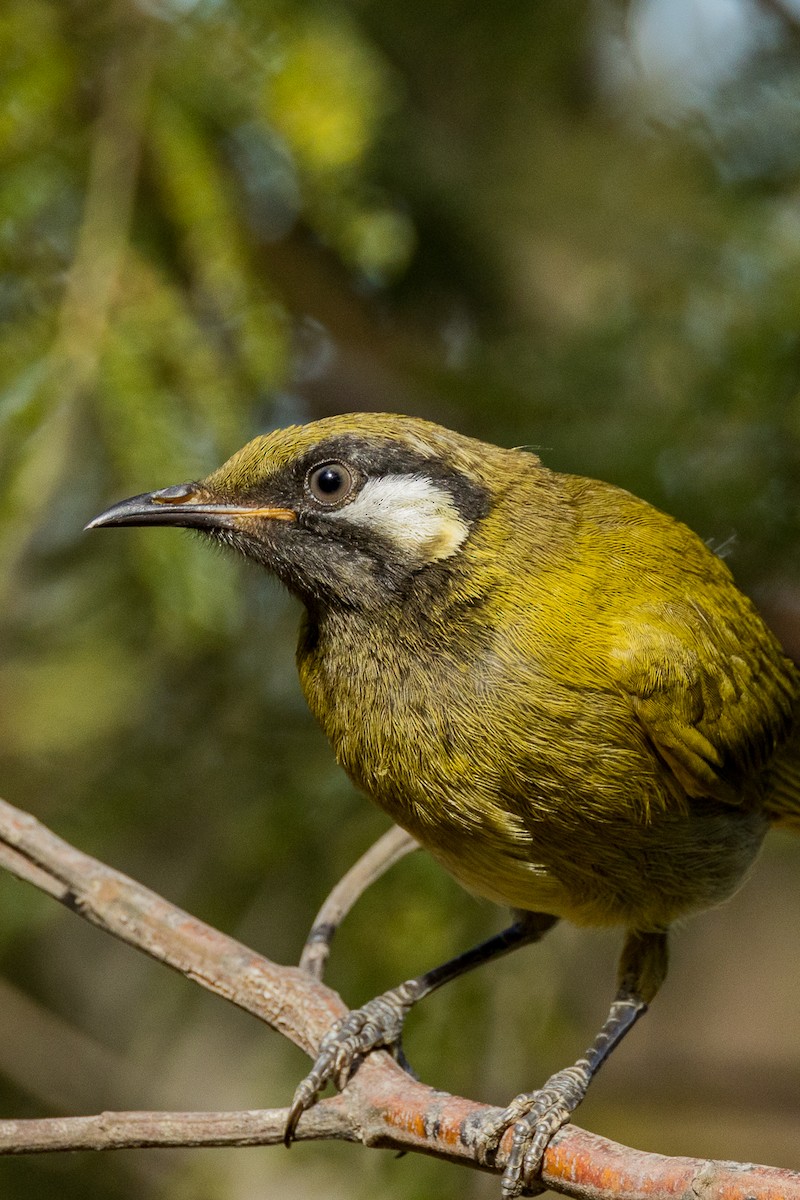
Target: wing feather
<point>715,699</point>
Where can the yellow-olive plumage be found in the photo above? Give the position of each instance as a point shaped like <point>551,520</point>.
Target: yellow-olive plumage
<point>557,689</point>
<point>578,715</point>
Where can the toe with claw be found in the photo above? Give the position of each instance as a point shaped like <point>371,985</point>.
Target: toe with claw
<point>377,1025</point>
<point>550,1108</point>
<point>534,1117</point>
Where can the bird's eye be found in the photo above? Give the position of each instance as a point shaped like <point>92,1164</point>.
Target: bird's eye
<point>330,483</point>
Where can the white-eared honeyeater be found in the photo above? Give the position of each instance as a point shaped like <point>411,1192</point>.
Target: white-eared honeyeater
<point>557,689</point>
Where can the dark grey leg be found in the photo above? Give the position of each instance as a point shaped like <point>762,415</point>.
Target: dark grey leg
<point>379,1023</point>
<point>536,1116</point>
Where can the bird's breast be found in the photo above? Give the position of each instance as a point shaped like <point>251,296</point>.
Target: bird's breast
<point>415,730</point>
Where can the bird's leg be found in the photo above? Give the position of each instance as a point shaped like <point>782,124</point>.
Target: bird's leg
<point>536,1116</point>
<point>383,854</point>
<point>379,1023</point>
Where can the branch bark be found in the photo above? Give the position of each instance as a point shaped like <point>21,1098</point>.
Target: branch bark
<point>381,1106</point>
<point>388,850</point>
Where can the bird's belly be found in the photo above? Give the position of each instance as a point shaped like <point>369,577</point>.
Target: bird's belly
<point>643,876</point>
<point>585,831</point>
<point>443,798</point>
<point>622,868</point>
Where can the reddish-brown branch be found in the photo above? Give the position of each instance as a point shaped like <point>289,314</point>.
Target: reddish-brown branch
<point>382,1106</point>
<point>285,997</point>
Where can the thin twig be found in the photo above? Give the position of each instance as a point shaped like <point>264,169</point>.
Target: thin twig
<point>389,849</point>
<point>136,1130</point>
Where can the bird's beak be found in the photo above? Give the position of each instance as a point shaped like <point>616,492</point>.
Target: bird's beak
<point>188,505</point>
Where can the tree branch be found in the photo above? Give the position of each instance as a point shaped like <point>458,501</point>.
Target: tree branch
<point>381,1106</point>
<point>383,854</point>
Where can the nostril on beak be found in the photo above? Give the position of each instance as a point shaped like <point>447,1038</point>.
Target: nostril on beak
<point>181,493</point>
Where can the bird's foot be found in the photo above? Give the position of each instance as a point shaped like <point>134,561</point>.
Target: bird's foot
<point>534,1118</point>
<point>376,1025</point>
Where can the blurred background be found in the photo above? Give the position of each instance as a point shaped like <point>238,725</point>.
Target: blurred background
<point>567,224</point>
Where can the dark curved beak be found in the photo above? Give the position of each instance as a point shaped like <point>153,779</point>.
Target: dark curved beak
<point>188,506</point>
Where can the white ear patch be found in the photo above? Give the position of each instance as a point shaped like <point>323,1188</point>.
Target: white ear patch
<point>410,511</point>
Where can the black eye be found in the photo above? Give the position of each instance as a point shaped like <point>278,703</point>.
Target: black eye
<point>331,483</point>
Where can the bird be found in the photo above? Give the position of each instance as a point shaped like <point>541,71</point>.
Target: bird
<point>557,689</point>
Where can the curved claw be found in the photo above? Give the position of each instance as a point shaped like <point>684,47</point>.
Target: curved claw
<point>304,1096</point>
<point>534,1117</point>
<point>378,1024</point>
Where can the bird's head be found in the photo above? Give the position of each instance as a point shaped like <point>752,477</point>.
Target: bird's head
<point>348,509</point>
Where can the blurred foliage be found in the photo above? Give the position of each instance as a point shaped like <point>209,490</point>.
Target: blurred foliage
<point>570,224</point>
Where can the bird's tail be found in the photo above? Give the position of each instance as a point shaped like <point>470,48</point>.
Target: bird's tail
<point>783,801</point>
